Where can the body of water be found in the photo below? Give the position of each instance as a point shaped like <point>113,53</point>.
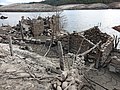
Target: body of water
<point>74,20</point>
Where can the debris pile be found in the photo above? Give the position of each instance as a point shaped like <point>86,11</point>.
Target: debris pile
<point>67,81</point>
<point>95,35</point>
<point>25,70</point>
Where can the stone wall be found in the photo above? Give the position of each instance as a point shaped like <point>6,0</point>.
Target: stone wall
<point>38,27</point>
<point>106,48</point>
<point>5,29</point>
<point>76,41</point>
<point>71,43</point>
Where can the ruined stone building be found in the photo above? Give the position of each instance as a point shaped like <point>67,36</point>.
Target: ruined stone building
<point>86,40</point>
<point>49,25</point>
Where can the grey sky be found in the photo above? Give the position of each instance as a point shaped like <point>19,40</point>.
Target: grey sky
<point>4,2</point>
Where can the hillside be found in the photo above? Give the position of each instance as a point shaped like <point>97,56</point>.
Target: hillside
<point>26,7</point>
<point>37,7</point>
<point>63,2</point>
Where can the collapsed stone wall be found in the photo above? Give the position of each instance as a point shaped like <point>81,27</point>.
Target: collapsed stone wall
<point>95,35</point>
<point>5,29</point>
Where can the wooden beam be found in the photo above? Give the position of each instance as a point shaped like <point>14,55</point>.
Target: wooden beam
<point>86,52</point>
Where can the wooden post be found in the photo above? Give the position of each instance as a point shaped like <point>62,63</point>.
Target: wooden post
<point>97,62</point>
<point>21,30</point>
<point>60,49</point>
<point>10,45</point>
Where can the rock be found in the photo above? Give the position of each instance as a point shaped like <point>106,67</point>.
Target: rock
<point>2,55</point>
<point>70,78</point>
<point>59,88</point>
<point>26,48</point>
<point>64,85</point>
<point>23,75</point>
<point>64,75</point>
<point>1,39</point>
<point>53,70</point>
<point>8,68</point>
<point>72,87</point>
<point>12,69</point>
<point>60,78</point>
<point>58,83</point>
<point>77,81</point>
<point>55,85</point>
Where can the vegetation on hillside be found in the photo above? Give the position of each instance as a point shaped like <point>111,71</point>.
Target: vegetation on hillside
<point>62,2</point>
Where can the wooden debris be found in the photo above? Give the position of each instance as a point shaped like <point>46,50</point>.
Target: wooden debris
<point>10,45</point>
<point>60,48</point>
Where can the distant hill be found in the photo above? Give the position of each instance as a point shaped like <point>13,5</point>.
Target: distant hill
<point>20,7</point>
<point>37,7</point>
<point>64,2</point>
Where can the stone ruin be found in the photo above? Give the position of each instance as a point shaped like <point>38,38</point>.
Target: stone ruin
<point>38,27</point>
<point>86,40</point>
<point>43,26</point>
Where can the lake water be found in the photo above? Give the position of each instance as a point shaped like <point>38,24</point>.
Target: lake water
<point>75,20</point>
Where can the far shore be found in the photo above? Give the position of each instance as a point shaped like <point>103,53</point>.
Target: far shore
<point>48,8</point>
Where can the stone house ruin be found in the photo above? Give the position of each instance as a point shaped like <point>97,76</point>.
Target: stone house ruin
<point>86,40</point>
<point>46,26</point>
<point>95,35</point>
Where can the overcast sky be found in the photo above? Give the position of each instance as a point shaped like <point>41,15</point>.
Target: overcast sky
<point>5,2</point>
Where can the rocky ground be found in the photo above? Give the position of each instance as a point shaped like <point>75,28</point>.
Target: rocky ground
<point>30,71</point>
<point>25,70</point>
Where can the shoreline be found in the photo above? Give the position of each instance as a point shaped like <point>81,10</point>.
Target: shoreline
<point>54,11</point>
